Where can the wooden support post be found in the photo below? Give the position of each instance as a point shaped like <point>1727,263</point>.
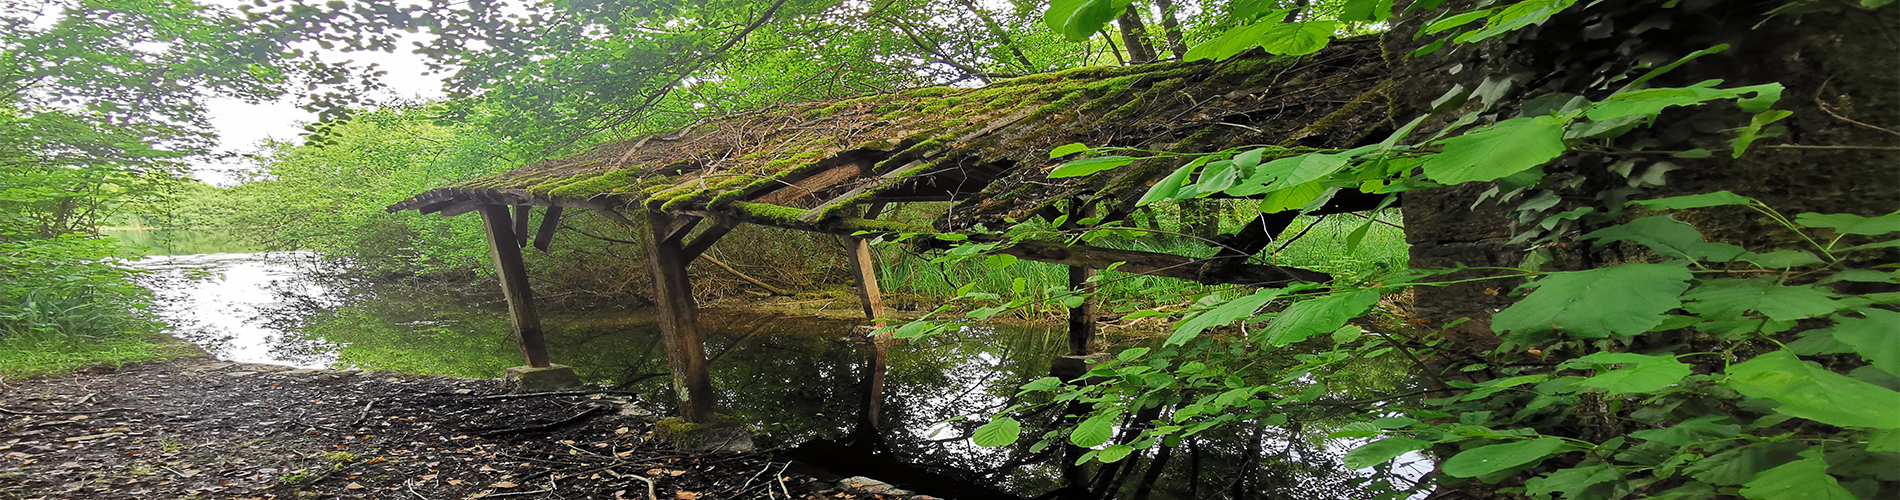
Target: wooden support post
<point>550,221</point>
<point>877,356</point>
<point>1081,317</point>
<point>522,212</point>
<point>514,284</point>
<point>679,321</point>
<point>706,239</point>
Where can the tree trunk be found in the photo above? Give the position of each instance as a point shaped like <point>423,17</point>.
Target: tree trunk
<point>1135,37</point>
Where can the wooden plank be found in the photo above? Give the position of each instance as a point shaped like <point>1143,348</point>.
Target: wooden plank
<point>887,180</point>
<point>522,214</point>
<point>809,185</point>
<point>677,230</point>
<point>514,284</point>
<point>679,322</point>
<point>864,272</point>
<point>461,208</point>
<point>705,240</point>
<point>550,221</point>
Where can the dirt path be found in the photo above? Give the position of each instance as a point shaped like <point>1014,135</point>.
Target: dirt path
<point>198,428</point>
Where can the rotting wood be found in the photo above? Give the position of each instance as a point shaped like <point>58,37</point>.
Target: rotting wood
<point>811,185</point>
<point>514,284</point>
<point>864,273</point>
<point>550,221</point>
<point>522,215</point>
<point>460,208</point>
<point>680,227</point>
<point>679,321</point>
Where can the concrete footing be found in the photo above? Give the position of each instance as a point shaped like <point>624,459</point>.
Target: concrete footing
<point>1074,367</point>
<point>722,434</point>
<point>529,379</point>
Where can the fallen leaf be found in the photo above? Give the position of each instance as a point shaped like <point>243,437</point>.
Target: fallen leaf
<point>675,473</point>
<point>685,495</point>
<point>354,486</point>
<point>503,484</point>
<point>456,482</point>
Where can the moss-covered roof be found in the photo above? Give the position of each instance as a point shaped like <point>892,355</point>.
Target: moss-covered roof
<point>985,148</point>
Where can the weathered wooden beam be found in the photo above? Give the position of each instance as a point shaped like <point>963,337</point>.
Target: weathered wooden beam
<point>706,239</point>
<point>550,221</point>
<point>1082,316</point>
<point>460,208</point>
<point>1151,263</point>
<point>864,272</point>
<point>810,185</point>
<point>522,214</point>
<point>889,179</point>
<point>679,321</point>
<point>514,284</point>
<point>677,230</point>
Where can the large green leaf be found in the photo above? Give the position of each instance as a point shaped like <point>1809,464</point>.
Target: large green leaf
<point>1095,430</point>
<point>1293,198</point>
<point>1667,236</point>
<point>1876,337</point>
<point>1488,459</point>
<point>1078,20</point>
<point>1222,315</point>
<point>1731,297</point>
<point>1715,199</point>
<point>1230,43</point>
<point>1640,374</point>
<point>1289,171</point>
<point>1088,166</point>
<point>1170,187</point>
<point>1509,147</point>
<point>1798,480</point>
<point>1317,316</point>
<point>1852,224</point>
<point>1382,451</point>
<point>1807,390</point>
<point>1297,39</point>
<point>1572,480</point>
<point>1003,431</point>
<point>1621,300</point>
<point>1519,15</point>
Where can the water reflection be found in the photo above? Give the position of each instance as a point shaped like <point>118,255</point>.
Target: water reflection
<point>798,381</point>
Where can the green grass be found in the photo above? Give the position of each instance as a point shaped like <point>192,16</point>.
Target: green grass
<point>1322,247</point>
<point>53,354</point>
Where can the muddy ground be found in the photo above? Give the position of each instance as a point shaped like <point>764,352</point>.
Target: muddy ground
<point>199,428</point>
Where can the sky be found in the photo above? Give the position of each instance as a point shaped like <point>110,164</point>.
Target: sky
<point>243,126</point>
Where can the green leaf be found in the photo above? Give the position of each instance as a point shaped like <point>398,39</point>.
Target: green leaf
<point>1571,481</point>
<point>1622,300</point>
<point>1876,337</point>
<point>1797,480</point>
<point>1667,236</point>
<point>1290,171</point>
<point>1454,21</point>
<point>1043,384</point>
<point>1509,147</point>
<point>1703,428</point>
<point>1230,43</point>
<point>1715,199</point>
<point>1088,166</point>
<point>1295,197</point>
<point>1115,453</point>
<point>1222,315</point>
<point>1078,20</point>
<point>1852,224</point>
<point>1807,390</point>
<point>1730,297</point>
<point>1003,431</point>
<point>1884,441</point>
<point>1746,135</point>
<point>1648,374</point>
<point>1780,259</point>
<point>1488,459</point>
<point>1095,430</point>
<point>1317,316</point>
<point>999,261</point>
<point>1297,39</point>
<point>1382,451</point>
<point>1521,14</point>
<point>1170,186</point>
<point>1068,149</point>
<point>1132,354</point>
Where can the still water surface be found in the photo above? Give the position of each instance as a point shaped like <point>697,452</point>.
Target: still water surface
<point>795,380</point>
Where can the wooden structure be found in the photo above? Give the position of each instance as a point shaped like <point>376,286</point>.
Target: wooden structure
<point>831,167</point>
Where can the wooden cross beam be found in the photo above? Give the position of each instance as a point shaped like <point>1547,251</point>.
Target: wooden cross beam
<point>550,221</point>
<point>514,284</point>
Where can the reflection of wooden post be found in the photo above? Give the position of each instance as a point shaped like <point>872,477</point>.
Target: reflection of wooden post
<point>877,358</point>
<point>679,321</point>
<point>1082,317</point>
<point>504,249</point>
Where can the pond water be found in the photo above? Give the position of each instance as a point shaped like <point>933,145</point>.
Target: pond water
<point>798,382</point>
